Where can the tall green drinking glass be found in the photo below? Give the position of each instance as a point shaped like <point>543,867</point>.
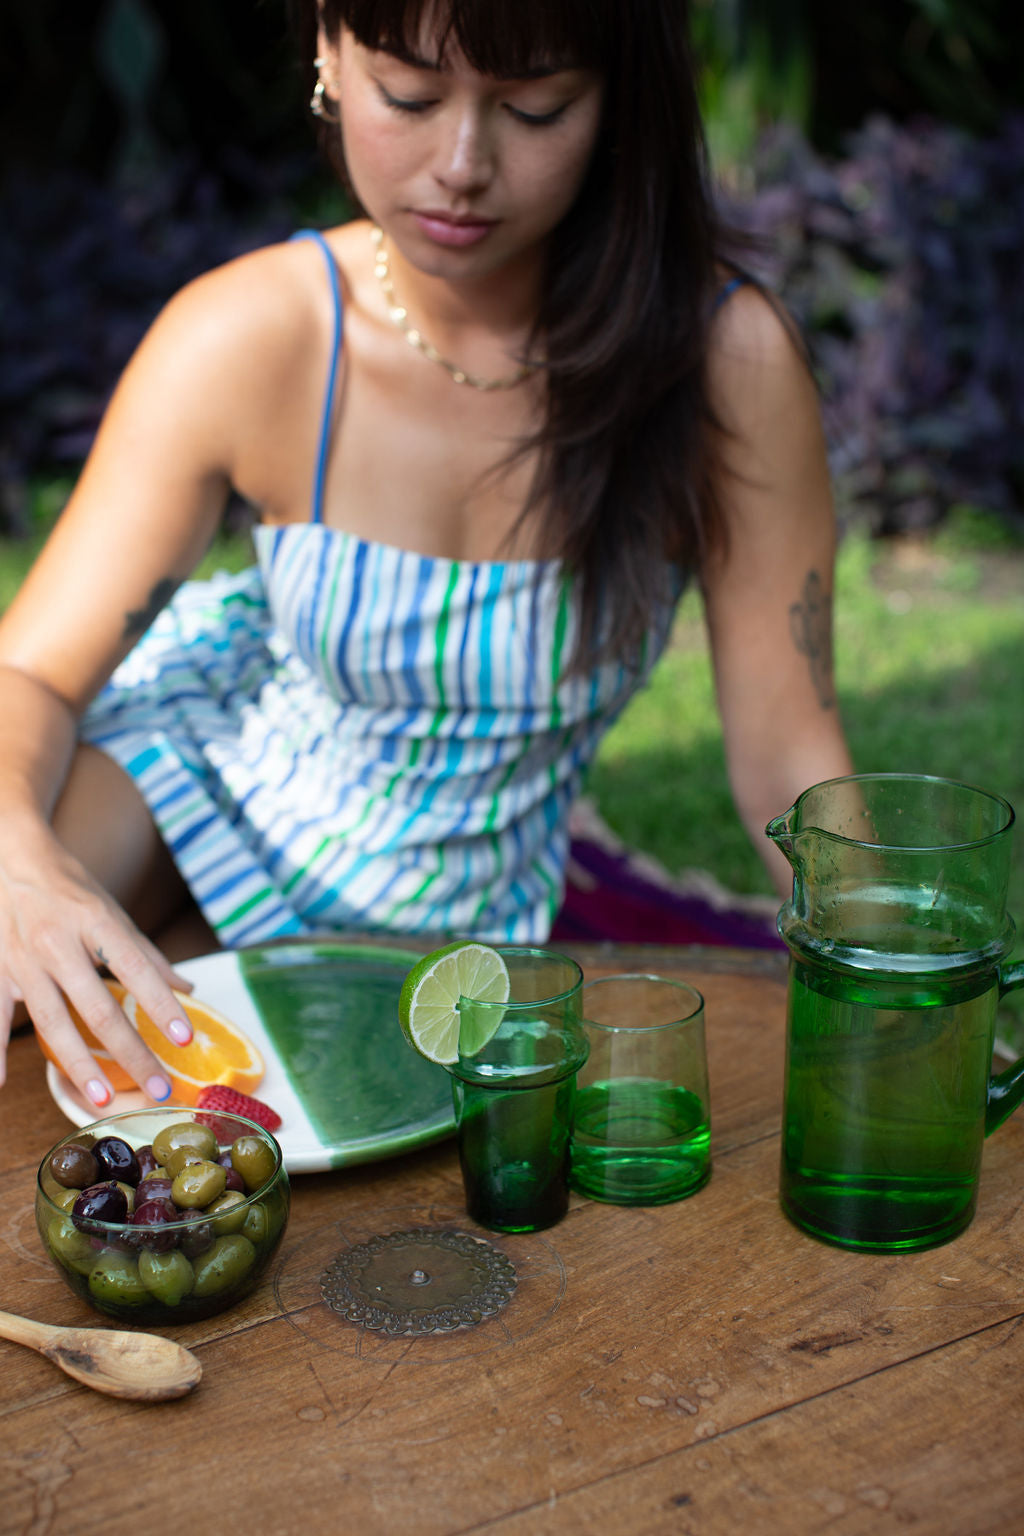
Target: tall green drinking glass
<point>514,1095</point>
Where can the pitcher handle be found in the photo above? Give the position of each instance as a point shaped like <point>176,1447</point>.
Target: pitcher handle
<point>1006,1089</point>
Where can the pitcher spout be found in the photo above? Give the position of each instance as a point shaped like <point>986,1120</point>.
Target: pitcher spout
<point>780,831</point>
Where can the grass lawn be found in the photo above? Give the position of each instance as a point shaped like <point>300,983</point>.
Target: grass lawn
<point>930,676</point>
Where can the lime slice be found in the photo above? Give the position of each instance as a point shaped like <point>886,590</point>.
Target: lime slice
<point>428,1006</point>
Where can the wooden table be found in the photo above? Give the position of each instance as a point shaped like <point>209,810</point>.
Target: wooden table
<point>702,1367</point>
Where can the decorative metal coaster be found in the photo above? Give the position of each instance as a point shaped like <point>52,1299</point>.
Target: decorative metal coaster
<point>422,1281</point>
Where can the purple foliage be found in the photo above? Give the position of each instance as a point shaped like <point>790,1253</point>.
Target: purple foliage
<point>83,272</point>
<point>903,263</point>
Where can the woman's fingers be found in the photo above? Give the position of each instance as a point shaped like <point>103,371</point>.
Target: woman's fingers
<point>56,927</point>
<point>74,978</point>
<point>149,978</point>
<point>172,977</point>
<point>46,1005</point>
<point>6,1016</point>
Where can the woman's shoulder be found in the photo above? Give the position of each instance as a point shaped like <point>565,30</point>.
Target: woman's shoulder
<point>272,300</point>
<point>755,352</point>
<point>237,358</point>
<point>750,321</point>
<point>244,344</point>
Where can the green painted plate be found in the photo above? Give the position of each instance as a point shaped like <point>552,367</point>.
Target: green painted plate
<point>347,1086</point>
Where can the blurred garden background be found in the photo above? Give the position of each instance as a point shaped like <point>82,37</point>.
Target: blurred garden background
<point>875,147</point>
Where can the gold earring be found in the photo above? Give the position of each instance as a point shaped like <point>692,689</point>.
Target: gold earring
<point>319,97</point>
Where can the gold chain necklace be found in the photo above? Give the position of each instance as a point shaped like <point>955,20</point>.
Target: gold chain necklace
<point>398,315</point>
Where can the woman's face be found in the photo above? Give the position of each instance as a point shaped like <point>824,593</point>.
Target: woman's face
<point>466,173</point>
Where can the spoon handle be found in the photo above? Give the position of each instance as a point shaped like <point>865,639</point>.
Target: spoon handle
<point>141,1366</point>
<point>23,1330</point>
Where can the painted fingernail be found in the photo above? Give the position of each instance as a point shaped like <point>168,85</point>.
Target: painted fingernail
<point>179,1031</point>
<point>98,1092</point>
<point>158,1088</point>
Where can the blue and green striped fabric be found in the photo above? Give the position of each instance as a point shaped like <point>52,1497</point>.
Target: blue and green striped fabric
<point>354,736</point>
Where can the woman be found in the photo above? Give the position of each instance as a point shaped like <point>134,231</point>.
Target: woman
<point>489,429</point>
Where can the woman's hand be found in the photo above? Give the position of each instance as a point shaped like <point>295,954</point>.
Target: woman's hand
<point>56,927</point>
<point>142,514</point>
<point>58,923</point>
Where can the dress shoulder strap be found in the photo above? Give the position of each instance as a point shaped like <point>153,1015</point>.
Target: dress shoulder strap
<point>327,412</point>
<point>728,289</point>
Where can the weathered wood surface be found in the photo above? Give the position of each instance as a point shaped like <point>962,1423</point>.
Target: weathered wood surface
<point>701,1367</point>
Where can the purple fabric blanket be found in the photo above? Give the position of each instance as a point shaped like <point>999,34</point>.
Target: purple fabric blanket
<point>615,894</point>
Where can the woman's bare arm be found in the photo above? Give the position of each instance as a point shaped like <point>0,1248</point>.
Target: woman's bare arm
<point>142,515</point>
<point>769,600</point>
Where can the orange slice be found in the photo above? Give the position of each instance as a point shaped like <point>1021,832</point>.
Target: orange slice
<point>219,1051</point>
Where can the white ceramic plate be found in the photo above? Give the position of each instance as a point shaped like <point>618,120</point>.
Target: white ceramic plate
<point>339,1073</point>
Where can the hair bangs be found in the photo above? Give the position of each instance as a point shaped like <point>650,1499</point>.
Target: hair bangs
<point>506,39</point>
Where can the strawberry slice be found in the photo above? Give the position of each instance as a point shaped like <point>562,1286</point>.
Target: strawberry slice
<point>229,1101</point>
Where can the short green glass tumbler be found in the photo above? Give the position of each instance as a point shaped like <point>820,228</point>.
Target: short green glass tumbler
<point>514,1095</point>
<point>642,1126</point>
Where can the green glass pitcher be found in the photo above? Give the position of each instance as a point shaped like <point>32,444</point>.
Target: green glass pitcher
<point>898,937</point>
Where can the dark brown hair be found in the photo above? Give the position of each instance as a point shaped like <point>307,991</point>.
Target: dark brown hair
<point>624,451</point>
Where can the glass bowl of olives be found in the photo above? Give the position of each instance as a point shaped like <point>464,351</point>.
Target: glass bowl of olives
<point>163,1216</point>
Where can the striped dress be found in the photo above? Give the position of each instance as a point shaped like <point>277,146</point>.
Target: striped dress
<point>352,736</point>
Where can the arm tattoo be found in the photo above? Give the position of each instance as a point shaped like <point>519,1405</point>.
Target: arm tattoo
<point>810,623</point>
<point>138,620</point>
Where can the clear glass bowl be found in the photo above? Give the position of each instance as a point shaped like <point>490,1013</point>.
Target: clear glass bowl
<point>201,1253</point>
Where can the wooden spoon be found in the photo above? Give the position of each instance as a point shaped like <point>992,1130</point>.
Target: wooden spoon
<point>137,1365</point>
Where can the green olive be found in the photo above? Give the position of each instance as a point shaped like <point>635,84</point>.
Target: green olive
<point>114,1281</point>
<point>228,1211</point>
<point>71,1247</point>
<point>65,1198</point>
<point>182,1156</point>
<point>224,1265</point>
<point>256,1224</point>
<point>129,1194</point>
<point>197,1184</point>
<point>254,1159</point>
<point>184,1133</point>
<point>167,1276</point>
<point>159,1172</point>
<point>277,1216</point>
